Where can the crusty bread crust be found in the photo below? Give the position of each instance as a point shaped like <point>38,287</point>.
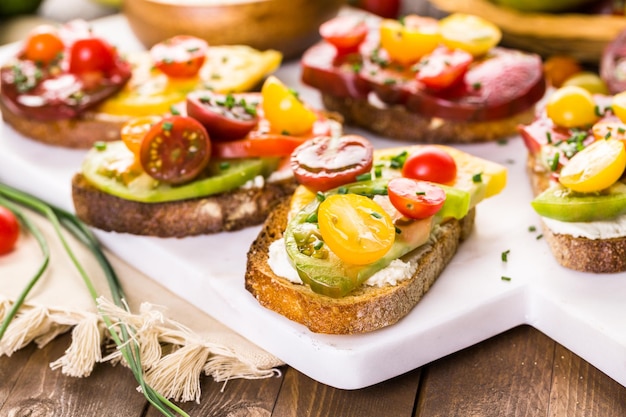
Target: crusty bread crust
<point>398,123</point>
<point>78,133</point>
<point>364,310</point>
<point>577,253</point>
<point>222,212</point>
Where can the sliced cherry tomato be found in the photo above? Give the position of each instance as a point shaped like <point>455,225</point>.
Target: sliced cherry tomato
<point>91,55</point>
<point>9,230</point>
<point>430,163</point>
<point>134,130</point>
<point>606,129</point>
<point>181,56</point>
<point>443,67</point>
<point>355,228</point>
<point>327,162</point>
<point>225,116</point>
<point>619,106</point>
<point>43,45</point>
<point>470,33</point>
<point>175,150</point>
<point>407,41</point>
<point>596,167</point>
<point>572,106</point>
<point>415,199</point>
<point>284,110</point>
<point>345,32</point>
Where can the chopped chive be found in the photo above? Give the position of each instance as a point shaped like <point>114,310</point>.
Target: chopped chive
<point>320,196</point>
<point>539,237</point>
<point>364,177</point>
<point>318,245</point>
<point>532,229</point>
<point>505,255</point>
<point>342,190</point>
<point>100,146</point>
<point>224,165</point>
<point>504,278</point>
<point>477,177</point>
<point>376,215</point>
<point>167,126</point>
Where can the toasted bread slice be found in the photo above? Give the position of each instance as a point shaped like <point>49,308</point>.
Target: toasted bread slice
<point>577,253</point>
<point>229,211</point>
<point>364,310</point>
<point>399,123</point>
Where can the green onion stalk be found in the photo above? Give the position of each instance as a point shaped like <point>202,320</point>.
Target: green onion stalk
<point>15,200</point>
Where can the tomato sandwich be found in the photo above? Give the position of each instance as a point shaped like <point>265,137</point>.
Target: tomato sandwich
<point>217,163</point>
<point>367,232</point>
<point>576,164</point>
<point>69,87</point>
<point>424,80</point>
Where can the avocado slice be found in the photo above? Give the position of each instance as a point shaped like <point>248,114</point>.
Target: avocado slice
<point>112,170</point>
<point>560,203</point>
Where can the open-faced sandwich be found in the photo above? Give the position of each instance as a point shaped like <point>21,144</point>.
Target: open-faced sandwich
<point>424,80</point>
<point>367,232</point>
<point>576,164</point>
<point>217,164</point>
<point>69,87</point>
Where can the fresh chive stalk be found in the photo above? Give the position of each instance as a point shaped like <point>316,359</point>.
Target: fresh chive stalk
<point>59,218</point>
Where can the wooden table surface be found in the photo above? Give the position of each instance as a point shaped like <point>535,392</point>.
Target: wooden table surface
<point>518,373</point>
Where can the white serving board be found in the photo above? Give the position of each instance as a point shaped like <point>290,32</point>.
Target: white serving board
<point>469,303</point>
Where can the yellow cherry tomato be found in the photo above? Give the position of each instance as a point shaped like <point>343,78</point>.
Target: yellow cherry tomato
<point>572,106</point>
<point>409,40</point>
<point>588,80</point>
<point>470,33</point>
<point>283,109</point>
<point>355,228</point>
<point>134,130</point>
<point>596,167</point>
<point>619,105</point>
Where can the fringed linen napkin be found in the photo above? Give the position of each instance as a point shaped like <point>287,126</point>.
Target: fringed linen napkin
<point>178,342</point>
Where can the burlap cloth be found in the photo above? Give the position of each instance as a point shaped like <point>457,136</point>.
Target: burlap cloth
<point>179,342</point>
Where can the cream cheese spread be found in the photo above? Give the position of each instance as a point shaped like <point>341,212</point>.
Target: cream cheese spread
<point>605,229</point>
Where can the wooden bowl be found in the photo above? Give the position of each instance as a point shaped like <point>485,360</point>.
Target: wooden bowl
<point>582,36</point>
<point>289,26</point>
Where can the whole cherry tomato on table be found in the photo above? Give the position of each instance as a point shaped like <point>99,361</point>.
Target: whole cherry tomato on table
<point>9,230</point>
<point>327,162</point>
<point>175,149</point>
<point>181,56</point>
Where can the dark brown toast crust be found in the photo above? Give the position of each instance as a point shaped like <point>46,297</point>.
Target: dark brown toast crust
<point>398,123</point>
<point>366,309</point>
<point>577,253</point>
<point>222,212</point>
<point>78,133</point>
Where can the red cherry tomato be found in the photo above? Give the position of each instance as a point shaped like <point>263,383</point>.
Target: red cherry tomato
<point>385,8</point>
<point>175,150</point>
<point>91,55</point>
<point>430,163</point>
<point>9,230</point>
<point>327,162</point>
<point>225,116</point>
<point>43,45</point>
<point>414,198</point>
<point>181,56</point>
<point>269,145</point>
<point>443,68</point>
<point>345,32</point>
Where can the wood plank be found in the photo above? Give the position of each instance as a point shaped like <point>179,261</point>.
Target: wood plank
<point>508,375</point>
<point>40,391</point>
<point>304,397</point>
<point>235,398</point>
<point>10,370</point>
<point>580,389</point>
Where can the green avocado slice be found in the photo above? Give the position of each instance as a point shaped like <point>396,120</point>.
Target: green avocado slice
<point>560,203</point>
<point>109,169</point>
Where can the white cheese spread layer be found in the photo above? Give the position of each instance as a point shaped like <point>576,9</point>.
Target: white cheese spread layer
<point>605,229</point>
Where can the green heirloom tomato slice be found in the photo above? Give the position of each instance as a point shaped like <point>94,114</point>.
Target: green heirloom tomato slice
<point>562,204</point>
<point>110,170</point>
